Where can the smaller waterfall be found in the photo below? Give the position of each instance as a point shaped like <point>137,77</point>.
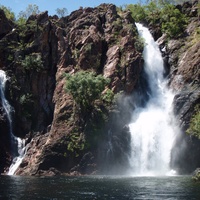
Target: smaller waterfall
<point>18,156</point>
<point>152,128</point>
<point>18,159</point>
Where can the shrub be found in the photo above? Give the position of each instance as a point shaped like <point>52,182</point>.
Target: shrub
<point>33,61</point>
<point>194,127</point>
<point>108,96</point>
<point>21,22</point>
<point>85,87</point>
<point>9,14</point>
<point>31,9</point>
<point>137,12</point>
<point>153,13</point>
<point>139,44</point>
<point>76,143</point>
<point>26,104</point>
<point>26,99</point>
<point>173,21</point>
<point>61,12</point>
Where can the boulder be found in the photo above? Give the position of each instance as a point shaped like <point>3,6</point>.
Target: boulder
<point>196,175</point>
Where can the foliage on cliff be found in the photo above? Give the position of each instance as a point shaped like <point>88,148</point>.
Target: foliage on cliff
<point>85,87</point>
<point>167,16</point>
<point>8,12</point>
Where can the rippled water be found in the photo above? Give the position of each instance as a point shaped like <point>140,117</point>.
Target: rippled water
<point>99,187</point>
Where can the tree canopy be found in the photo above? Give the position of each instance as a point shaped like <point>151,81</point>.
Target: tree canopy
<point>8,12</point>
<point>32,9</point>
<point>85,87</point>
<point>162,13</point>
<point>61,12</point>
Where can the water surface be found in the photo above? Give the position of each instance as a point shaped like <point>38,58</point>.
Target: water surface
<point>99,187</point>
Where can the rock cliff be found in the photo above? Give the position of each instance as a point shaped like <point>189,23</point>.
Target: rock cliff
<point>60,140</point>
<point>37,55</point>
<point>183,56</point>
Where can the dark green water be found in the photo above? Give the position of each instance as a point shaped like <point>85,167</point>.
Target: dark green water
<point>99,187</point>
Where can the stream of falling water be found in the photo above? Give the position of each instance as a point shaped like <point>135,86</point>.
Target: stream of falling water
<point>152,128</point>
<point>18,156</point>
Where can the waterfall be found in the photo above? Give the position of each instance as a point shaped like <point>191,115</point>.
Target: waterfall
<point>152,127</point>
<point>18,156</point>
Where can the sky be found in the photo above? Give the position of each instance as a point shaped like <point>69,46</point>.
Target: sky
<point>51,5</point>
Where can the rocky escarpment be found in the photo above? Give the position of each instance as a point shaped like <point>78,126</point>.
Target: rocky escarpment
<point>37,55</point>
<point>183,55</point>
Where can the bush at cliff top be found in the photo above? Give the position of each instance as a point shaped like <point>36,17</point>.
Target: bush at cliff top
<point>194,127</point>
<point>173,21</point>
<point>166,15</point>
<point>9,14</point>
<point>85,87</point>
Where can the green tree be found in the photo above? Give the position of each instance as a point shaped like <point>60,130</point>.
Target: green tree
<point>21,22</point>
<point>162,13</point>
<point>8,12</point>
<point>85,87</point>
<point>137,11</point>
<point>33,61</point>
<point>163,2</point>
<point>32,9</point>
<point>61,12</point>
<point>153,12</point>
<point>173,21</point>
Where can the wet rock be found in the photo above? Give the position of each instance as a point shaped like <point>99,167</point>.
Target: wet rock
<point>196,175</point>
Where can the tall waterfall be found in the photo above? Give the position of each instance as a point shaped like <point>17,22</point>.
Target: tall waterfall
<point>18,156</point>
<point>152,127</point>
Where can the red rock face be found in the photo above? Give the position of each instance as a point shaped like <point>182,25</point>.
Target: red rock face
<point>89,39</point>
<point>95,39</point>
<point>188,68</point>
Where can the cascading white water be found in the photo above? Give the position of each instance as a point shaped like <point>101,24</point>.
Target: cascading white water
<point>8,109</point>
<point>18,159</point>
<point>152,127</point>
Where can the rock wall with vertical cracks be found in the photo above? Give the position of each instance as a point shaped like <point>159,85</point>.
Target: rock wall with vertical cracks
<point>36,57</point>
